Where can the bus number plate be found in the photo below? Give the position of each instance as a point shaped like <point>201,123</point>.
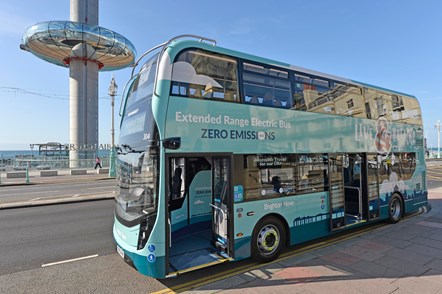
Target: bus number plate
<point>120,251</point>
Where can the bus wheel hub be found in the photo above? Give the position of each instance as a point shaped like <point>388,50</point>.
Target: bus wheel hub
<point>268,239</point>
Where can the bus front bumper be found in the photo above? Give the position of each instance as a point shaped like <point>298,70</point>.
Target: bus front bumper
<point>144,261</point>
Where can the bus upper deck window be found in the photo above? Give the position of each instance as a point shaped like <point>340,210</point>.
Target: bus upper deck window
<point>206,75</point>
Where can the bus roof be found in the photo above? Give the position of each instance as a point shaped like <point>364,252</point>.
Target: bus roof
<point>182,44</point>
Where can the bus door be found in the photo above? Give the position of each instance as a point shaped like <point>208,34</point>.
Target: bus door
<point>337,197</point>
<point>373,166</point>
<point>178,207</point>
<point>190,191</point>
<point>351,181</point>
<point>355,188</point>
<point>221,187</point>
<point>191,227</point>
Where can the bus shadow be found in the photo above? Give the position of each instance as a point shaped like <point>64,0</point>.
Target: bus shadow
<point>384,259</point>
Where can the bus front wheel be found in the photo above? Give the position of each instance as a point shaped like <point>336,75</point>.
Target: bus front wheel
<point>268,239</point>
<point>395,209</point>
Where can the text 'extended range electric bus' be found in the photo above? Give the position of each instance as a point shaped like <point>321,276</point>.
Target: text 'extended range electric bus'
<point>225,156</point>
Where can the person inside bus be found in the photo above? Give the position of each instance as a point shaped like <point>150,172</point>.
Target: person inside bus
<point>357,171</point>
<point>176,183</point>
<point>268,99</point>
<point>276,182</point>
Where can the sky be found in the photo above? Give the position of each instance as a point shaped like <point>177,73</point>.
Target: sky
<point>395,44</point>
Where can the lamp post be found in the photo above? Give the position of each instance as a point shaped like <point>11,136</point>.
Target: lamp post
<point>112,92</point>
<point>437,125</point>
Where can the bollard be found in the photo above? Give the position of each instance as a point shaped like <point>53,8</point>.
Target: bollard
<point>27,176</point>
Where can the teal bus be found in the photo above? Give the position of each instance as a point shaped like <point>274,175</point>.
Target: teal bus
<point>225,156</point>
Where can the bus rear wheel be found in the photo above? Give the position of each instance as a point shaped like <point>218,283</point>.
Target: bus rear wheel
<point>268,239</point>
<point>395,209</point>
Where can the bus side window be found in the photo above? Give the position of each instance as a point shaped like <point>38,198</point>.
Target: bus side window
<point>209,75</point>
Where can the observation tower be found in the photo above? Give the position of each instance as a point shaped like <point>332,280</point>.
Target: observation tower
<point>85,48</point>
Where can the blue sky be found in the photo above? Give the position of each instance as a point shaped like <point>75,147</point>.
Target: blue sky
<point>394,44</point>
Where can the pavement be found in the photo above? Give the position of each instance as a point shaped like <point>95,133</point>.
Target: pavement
<point>64,176</point>
<point>402,258</point>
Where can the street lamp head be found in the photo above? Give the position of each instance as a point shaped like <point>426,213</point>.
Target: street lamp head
<point>113,87</point>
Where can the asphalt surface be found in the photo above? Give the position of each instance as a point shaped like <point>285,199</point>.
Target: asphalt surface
<point>13,194</point>
<point>42,235</point>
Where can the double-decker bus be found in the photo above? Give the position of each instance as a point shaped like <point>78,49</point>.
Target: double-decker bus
<point>225,156</point>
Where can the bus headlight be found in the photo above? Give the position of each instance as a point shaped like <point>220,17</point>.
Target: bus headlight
<point>146,226</point>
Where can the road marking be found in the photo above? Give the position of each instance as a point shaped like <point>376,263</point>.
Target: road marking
<point>34,192</point>
<point>69,260</point>
<point>94,188</point>
<point>35,199</point>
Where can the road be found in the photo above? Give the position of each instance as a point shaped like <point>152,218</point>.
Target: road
<point>60,190</point>
<point>33,238</point>
<point>38,244</point>
<point>434,176</point>
<point>36,236</point>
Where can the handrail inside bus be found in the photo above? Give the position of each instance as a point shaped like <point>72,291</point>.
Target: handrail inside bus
<point>218,208</point>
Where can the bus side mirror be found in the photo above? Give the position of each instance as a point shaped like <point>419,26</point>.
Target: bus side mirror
<point>172,143</point>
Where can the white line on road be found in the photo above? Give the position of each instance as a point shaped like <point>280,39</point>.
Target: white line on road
<point>35,192</point>
<point>35,199</point>
<point>69,260</point>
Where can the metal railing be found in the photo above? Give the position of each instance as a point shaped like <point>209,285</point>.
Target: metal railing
<point>21,164</point>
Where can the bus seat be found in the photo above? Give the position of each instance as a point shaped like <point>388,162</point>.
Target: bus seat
<point>228,96</point>
<point>254,100</point>
<point>197,91</point>
<point>208,91</point>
